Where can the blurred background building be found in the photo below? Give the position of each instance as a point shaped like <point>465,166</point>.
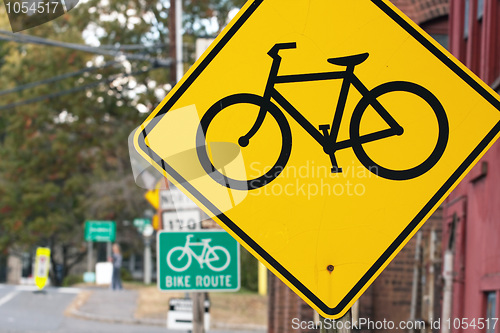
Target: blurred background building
<point>471,227</point>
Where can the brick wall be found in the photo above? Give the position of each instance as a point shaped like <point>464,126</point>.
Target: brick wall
<point>284,306</point>
<point>421,11</point>
<point>390,296</point>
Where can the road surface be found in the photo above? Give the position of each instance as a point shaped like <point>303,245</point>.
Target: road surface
<point>22,309</point>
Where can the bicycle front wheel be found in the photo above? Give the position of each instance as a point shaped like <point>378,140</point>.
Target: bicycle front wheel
<point>178,260</point>
<point>218,258</point>
<point>421,96</point>
<point>241,101</point>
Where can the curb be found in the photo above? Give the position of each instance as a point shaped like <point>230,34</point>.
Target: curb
<point>116,320</point>
<point>159,322</point>
<point>238,327</point>
<point>73,310</point>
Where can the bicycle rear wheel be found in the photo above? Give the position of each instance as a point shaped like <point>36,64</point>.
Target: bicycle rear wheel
<point>203,152</point>
<point>425,165</point>
<point>218,258</point>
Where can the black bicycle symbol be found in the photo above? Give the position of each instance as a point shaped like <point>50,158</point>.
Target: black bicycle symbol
<point>328,140</point>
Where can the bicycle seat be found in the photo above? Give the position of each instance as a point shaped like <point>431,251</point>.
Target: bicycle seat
<point>352,60</point>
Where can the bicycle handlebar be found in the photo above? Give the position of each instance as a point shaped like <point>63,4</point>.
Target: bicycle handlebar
<point>273,52</point>
<point>282,46</point>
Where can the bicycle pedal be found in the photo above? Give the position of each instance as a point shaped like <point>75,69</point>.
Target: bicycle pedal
<point>336,170</point>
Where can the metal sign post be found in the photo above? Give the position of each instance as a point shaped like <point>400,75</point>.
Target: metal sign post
<point>90,248</point>
<point>147,233</point>
<point>198,312</point>
<point>341,325</point>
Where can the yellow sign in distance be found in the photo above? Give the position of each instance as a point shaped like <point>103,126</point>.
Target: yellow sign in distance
<point>155,222</point>
<point>153,197</point>
<point>42,266</point>
<point>350,126</point>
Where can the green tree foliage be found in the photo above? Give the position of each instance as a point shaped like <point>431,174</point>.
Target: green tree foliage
<point>197,11</point>
<point>249,271</point>
<point>64,159</point>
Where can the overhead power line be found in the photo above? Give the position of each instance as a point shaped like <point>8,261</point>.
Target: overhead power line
<point>22,38</point>
<point>56,78</point>
<point>133,46</point>
<point>72,90</point>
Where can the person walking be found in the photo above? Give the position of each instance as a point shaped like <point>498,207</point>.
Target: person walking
<point>116,259</point>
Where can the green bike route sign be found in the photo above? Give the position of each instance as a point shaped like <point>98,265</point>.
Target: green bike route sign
<point>198,261</point>
<point>100,231</point>
<point>140,223</point>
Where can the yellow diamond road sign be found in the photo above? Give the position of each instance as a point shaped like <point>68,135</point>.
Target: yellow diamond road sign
<point>321,135</point>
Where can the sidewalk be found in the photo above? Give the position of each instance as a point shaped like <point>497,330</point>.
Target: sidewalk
<point>111,306</point>
<point>121,307</point>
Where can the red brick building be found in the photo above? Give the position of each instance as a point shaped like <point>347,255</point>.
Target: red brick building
<point>410,287</point>
<point>471,227</point>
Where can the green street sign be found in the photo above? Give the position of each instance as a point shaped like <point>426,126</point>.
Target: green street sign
<point>198,261</point>
<point>140,223</point>
<point>100,231</point>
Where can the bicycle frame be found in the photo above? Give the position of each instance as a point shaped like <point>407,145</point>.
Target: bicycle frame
<point>188,251</point>
<point>201,259</point>
<point>327,139</point>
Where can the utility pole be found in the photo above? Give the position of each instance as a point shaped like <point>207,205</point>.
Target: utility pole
<point>178,41</point>
<point>175,40</point>
<point>172,41</point>
<point>176,53</point>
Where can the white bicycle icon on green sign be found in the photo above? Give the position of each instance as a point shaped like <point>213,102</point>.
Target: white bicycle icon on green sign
<point>179,258</point>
